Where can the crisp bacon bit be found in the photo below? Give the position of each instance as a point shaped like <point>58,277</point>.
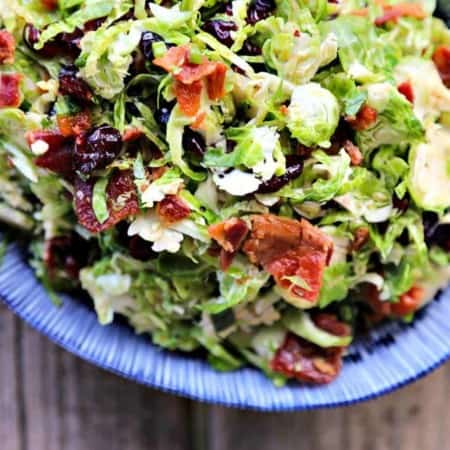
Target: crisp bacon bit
<point>303,262</point>
<point>174,58</point>
<point>7,47</point>
<point>354,152</point>
<point>190,73</point>
<point>297,33</point>
<point>441,58</point>
<point>380,308</point>
<point>197,124</point>
<point>330,324</point>
<point>157,172</point>
<point>360,239</point>
<point>230,234</point>
<point>74,125</point>
<point>188,97</point>
<point>286,248</point>
<point>364,119</point>
<point>216,82</point>
<point>300,359</point>
<point>9,90</point>
<point>284,110</point>
<point>131,134</point>
<point>225,259</point>
<point>121,199</point>
<point>406,90</point>
<point>50,5</point>
<point>172,209</point>
<point>393,12</point>
<point>408,302</point>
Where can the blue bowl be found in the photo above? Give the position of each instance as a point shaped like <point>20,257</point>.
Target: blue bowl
<point>391,357</point>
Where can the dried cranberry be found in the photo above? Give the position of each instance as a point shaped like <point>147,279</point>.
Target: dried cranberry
<point>294,167</point>
<point>193,142</point>
<point>435,233</point>
<point>249,48</point>
<point>221,30</point>
<point>97,149</point>
<point>140,249</point>
<point>401,204</point>
<point>163,113</point>
<point>93,24</point>
<point>259,10</point>
<point>71,84</point>
<point>146,44</point>
<point>31,36</point>
<point>71,42</point>
<point>69,253</point>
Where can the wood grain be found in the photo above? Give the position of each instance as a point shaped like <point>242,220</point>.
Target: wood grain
<point>50,400</point>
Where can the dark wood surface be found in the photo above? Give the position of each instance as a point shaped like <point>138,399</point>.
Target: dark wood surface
<point>51,400</point>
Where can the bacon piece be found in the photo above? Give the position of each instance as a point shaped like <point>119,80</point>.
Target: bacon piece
<point>393,12</point>
<point>7,47</point>
<point>74,125</point>
<point>131,134</point>
<point>441,58</point>
<point>121,200</point>
<point>305,361</point>
<point>408,302</point>
<point>274,236</point>
<point>58,157</point>
<point>230,234</point>
<point>50,5</point>
<point>173,59</point>
<point>290,248</point>
<point>190,73</point>
<point>361,237</point>
<point>354,152</point>
<point>188,97</point>
<point>330,324</point>
<point>172,209</point>
<point>9,90</point>
<point>216,82</point>
<point>406,90</point>
<point>365,117</point>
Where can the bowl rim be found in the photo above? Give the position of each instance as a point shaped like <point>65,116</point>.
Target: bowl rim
<point>18,308</point>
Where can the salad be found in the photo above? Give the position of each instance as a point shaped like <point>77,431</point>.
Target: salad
<point>255,180</point>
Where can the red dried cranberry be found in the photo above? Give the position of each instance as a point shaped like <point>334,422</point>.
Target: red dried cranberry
<point>294,167</point>
<point>435,233</point>
<point>331,324</point>
<point>193,142</point>
<point>140,249</point>
<point>71,84</point>
<point>259,10</point>
<point>93,24</point>
<point>31,36</point>
<point>97,149</point>
<point>401,204</point>
<point>146,44</point>
<point>221,30</point>
<point>249,48</point>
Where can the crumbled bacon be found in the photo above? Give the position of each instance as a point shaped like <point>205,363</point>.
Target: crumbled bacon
<point>305,361</point>
<point>365,117</point>
<point>391,13</point>
<point>189,78</point>
<point>74,125</point>
<point>406,90</point>
<point>121,200</point>
<point>408,302</point>
<point>172,209</point>
<point>289,248</point>
<point>188,97</point>
<point>131,134</point>
<point>9,90</point>
<point>361,237</point>
<point>354,152</point>
<point>7,47</point>
<point>441,58</point>
<point>330,324</point>
<point>50,5</point>
<point>230,234</point>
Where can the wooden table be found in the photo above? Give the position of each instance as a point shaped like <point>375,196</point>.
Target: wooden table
<point>51,400</point>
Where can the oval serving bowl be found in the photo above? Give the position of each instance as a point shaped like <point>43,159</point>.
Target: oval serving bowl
<point>390,357</point>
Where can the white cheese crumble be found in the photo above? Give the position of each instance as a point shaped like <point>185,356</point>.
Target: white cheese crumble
<point>237,182</point>
<point>39,147</point>
<point>267,138</point>
<point>157,191</point>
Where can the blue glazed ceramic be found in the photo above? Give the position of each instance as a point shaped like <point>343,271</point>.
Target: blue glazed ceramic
<point>389,358</point>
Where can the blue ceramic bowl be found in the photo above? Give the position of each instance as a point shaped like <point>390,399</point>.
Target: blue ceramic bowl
<point>391,357</point>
